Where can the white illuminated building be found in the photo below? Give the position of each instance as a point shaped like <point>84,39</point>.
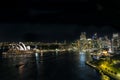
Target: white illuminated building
<point>20,46</point>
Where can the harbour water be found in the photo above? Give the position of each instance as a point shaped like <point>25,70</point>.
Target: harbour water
<point>67,66</point>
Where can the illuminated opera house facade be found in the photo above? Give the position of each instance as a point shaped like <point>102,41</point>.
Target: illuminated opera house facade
<point>19,47</point>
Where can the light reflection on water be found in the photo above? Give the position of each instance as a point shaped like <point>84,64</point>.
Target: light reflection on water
<point>67,66</point>
<point>21,71</point>
<point>82,59</point>
<point>37,64</point>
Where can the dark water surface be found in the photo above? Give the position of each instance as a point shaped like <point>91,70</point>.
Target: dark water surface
<point>68,66</point>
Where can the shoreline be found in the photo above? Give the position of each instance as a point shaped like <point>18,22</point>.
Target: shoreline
<point>101,72</point>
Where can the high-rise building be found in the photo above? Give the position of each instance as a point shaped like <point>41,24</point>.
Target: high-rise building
<point>94,37</point>
<point>106,42</point>
<point>82,41</point>
<point>95,41</point>
<point>115,41</point>
<point>83,36</point>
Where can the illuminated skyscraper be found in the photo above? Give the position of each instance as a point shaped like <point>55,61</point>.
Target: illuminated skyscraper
<point>106,42</point>
<point>115,41</point>
<point>82,39</point>
<point>95,41</point>
<point>95,36</point>
<point>83,36</point>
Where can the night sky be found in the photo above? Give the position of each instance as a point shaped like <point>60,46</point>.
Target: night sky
<point>51,20</point>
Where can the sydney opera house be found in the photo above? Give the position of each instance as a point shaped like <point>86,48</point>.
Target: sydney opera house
<point>18,48</point>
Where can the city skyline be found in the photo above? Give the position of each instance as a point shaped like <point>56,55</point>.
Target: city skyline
<point>60,40</point>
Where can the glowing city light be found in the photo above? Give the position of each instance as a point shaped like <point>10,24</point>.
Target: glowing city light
<point>36,54</point>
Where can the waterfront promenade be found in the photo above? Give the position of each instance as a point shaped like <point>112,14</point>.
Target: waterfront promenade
<point>106,75</point>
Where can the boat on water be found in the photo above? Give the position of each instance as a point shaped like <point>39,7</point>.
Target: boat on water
<point>19,64</point>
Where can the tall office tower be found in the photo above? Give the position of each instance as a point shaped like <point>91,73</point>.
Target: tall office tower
<point>94,37</point>
<point>115,41</point>
<point>95,41</point>
<point>83,36</point>
<point>107,42</point>
<point>82,41</point>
